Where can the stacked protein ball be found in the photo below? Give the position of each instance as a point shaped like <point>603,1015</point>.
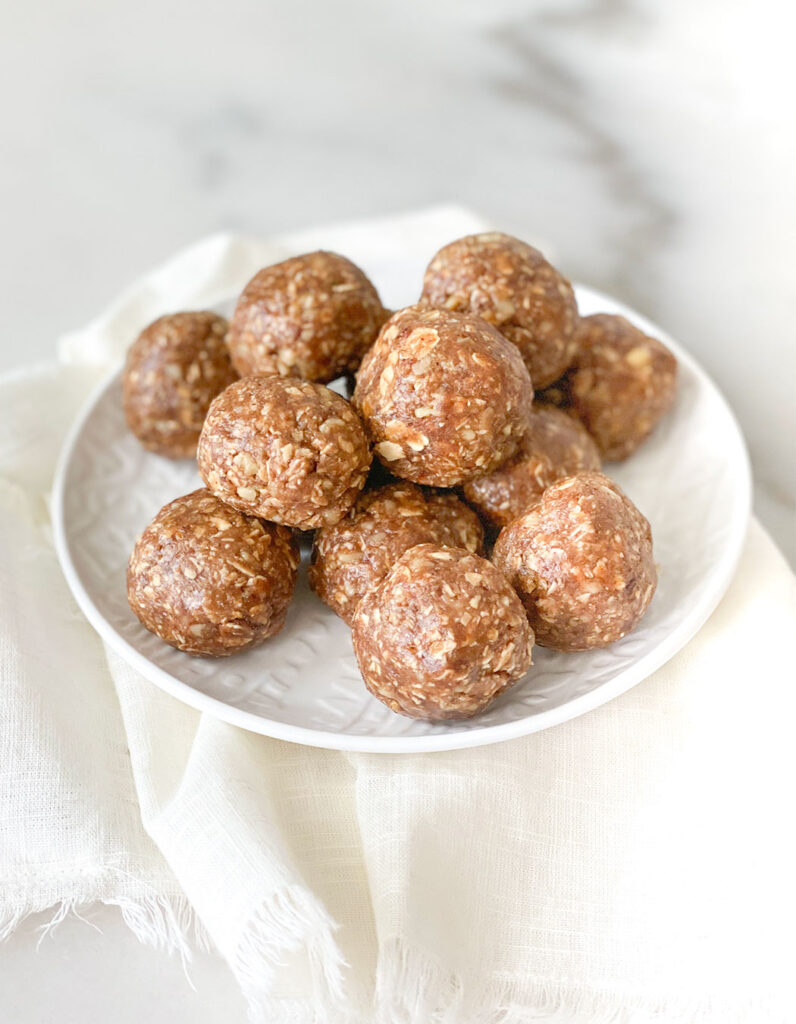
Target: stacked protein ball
<point>443,404</point>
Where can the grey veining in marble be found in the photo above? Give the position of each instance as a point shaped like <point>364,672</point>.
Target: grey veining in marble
<point>645,145</point>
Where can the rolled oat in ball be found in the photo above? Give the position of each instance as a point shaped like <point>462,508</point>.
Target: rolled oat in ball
<point>581,561</point>
<point>174,370</point>
<point>311,317</point>
<point>289,451</point>
<point>621,384</point>
<point>444,396</point>
<point>209,580</point>
<point>460,527</point>
<point>554,446</point>
<point>349,558</point>
<point>442,635</point>
<point>510,284</point>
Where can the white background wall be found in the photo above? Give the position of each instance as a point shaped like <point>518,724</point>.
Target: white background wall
<point>649,146</point>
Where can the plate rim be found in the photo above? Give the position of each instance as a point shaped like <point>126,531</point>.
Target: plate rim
<point>437,742</point>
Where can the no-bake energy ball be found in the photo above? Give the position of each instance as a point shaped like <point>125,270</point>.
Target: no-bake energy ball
<point>289,451</point>
<point>349,558</point>
<point>621,384</point>
<point>460,527</point>
<point>209,580</point>
<point>174,370</point>
<point>442,635</point>
<point>554,446</point>
<point>581,561</point>
<point>311,317</point>
<point>510,284</point>
<point>444,396</point>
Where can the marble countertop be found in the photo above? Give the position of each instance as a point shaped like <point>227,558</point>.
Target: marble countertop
<point>647,147</point>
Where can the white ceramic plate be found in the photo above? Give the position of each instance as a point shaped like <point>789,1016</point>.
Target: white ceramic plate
<point>691,479</point>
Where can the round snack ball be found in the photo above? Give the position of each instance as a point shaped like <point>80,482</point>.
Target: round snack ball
<point>510,284</point>
<point>287,450</point>
<point>312,317</point>
<point>554,446</point>
<point>442,635</point>
<point>581,561</point>
<point>174,370</point>
<point>209,580</point>
<point>460,527</point>
<point>349,558</point>
<point>444,396</point>
<point>621,384</point>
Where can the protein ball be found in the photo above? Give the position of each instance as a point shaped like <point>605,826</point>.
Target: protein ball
<point>311,317</point>
<point>289,451</point>
<point>621,384</point>
<point>459,526</point>
<point>510,284</point>
<point>581,561</point>
<point>442,635</point>
<point>174,370</point>
<point>349,558</point>
<point>209,580</point>
<point>554,446</point>
<point>443,395</point>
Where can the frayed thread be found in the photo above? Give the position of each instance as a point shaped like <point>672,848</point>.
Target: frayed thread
<point>290,923</point>
<point>166,923</point>
<point>413,987</point>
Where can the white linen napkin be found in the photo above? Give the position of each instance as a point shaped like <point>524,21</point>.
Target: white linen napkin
<point>633,864</point>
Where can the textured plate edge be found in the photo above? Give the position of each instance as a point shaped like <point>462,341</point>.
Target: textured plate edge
<point>476,737</point>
